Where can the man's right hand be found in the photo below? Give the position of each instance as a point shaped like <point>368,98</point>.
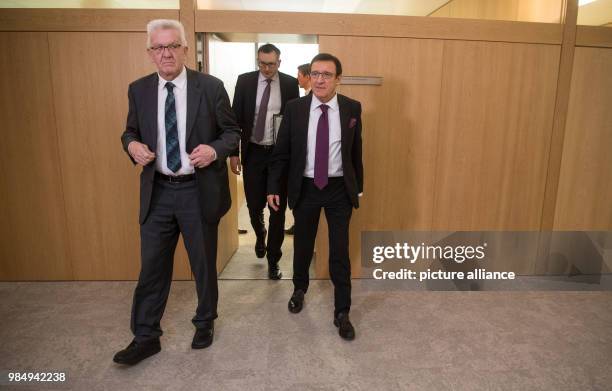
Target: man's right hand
<point>141,153</point>
<point>274,201</point>
<point>235,164</point>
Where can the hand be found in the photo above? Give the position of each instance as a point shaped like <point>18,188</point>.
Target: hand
<point>202,156</point>
<point>141,153</point>
<point>274,201</point>
<point>235,164</point>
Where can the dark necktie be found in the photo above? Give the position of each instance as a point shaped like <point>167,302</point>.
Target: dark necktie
<point>173,155</point>
<point>322,150</point>
<point>260,125</point>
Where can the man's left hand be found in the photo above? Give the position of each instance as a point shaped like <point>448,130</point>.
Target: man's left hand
<point>274,201</point>
<point>202,156</point>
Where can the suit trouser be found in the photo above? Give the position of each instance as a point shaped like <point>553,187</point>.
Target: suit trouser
<point>175,208</point>
<point>255,190</point>
<point>338,209</point>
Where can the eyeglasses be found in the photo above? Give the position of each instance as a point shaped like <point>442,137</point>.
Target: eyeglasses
<point>267,64</point>
<point>158,49</point>
<point>326,75</point>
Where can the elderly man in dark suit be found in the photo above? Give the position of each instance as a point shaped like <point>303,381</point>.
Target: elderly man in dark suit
<point>319,143</point>
<point>180,129</point>
<point>259,97</point>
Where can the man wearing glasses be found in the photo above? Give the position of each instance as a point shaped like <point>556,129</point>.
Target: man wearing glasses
<point>259,99</point>
<point>180,128</point>
<point>319,143</point>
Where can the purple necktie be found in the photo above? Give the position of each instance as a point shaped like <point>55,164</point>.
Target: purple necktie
<point>322,150</point>
<point>260,125</point>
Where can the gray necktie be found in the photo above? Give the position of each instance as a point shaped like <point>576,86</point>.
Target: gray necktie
<point>260,125</point>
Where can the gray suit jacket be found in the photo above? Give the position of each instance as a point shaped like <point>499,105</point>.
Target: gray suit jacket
<point>210,120</point>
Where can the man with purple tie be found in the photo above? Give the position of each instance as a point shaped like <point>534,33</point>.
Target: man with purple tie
<point>319,143</point>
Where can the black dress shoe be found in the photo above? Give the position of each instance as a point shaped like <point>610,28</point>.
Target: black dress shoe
<point>274,273</point>
<point>345,328</point>
<point>290,231</point>
<point>203,337</point>
<point>296,302</point>
<point>260,245</point>
<point>137,351</point>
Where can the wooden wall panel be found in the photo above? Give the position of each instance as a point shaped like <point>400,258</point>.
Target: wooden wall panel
<point>584,196</point>
<point>597,36</point>
<point>91,73</point>
<point>564,80</point>
<point>484,9</point>
<point>546,11</point>
<point>375,26</point>
<point>33,238</point>
<point>187,18</point>
<point>400,120</point>
<point>494,135</point>
<point>228,227</point>
<point>66,19</point>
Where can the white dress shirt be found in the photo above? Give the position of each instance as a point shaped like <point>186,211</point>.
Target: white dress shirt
<point>180,102</point>
<point>274,107</point>
<point>334,166</point>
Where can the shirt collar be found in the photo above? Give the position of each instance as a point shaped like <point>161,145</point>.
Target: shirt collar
<point>179,82</point>
<point>263,78</point>
<point>333,103</point>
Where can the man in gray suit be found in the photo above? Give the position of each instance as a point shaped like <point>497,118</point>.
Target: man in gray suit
<point>180,129</point>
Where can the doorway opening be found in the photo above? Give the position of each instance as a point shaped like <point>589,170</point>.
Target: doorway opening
<point>230,55</point>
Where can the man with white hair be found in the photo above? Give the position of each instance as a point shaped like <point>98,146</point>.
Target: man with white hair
<point>180,129</point>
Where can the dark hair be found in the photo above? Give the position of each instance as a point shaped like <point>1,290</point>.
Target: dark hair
<point>328,57</point>
<point>304,69</point>
<point>269,48</point>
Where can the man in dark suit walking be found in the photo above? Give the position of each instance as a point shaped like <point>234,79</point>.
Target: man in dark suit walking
<point>303,78</point>
<point>180,129</point>
<point>319,143</point>
<point>258,98</point>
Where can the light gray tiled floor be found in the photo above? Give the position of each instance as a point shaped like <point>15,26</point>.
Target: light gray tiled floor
<point>406,339</point>
<point>245,265</point>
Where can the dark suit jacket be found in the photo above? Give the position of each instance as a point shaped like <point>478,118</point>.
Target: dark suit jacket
<point>210,120</point>
<point>244,103</point>
<point>290,149</point>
